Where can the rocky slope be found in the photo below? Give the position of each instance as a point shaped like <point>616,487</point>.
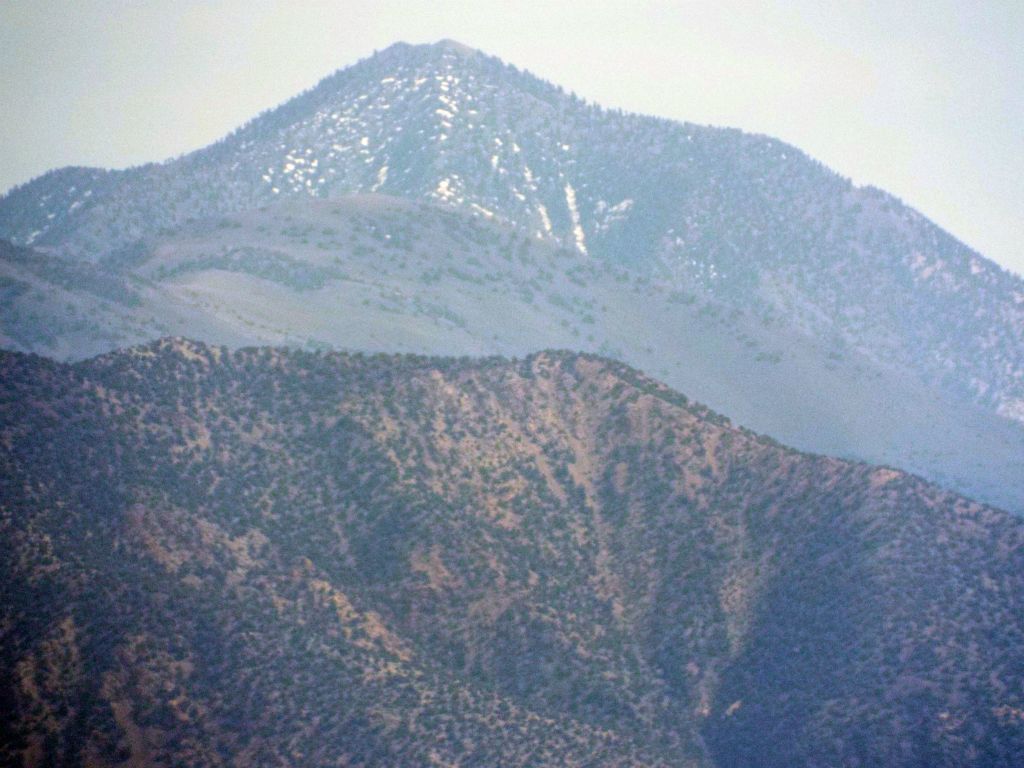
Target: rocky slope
<point>270,557</point>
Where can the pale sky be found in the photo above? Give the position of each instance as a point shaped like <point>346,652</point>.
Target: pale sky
<point>925,100</point>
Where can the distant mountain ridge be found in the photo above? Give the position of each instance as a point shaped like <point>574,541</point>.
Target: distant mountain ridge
<point>858,296</point>
<point>268,556</point>
<point>743,217</point>
<point>372,272</point>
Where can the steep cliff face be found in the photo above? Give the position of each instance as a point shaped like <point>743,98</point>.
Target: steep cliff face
<point>276,557</point>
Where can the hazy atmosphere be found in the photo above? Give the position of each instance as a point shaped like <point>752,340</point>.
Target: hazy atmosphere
<point>536,385</point>
<point>923,101</point>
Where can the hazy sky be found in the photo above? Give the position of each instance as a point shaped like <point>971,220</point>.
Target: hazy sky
<point>925,100</point>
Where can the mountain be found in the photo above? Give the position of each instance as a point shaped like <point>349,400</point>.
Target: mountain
<point>897,343</point>
<point>266,556</point>
<point>380,273</point>
<point>739,215</point>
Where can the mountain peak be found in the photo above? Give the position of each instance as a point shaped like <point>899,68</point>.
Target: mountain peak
<point>447,45</point>
<point>456,47</point>
<point>709,213</point>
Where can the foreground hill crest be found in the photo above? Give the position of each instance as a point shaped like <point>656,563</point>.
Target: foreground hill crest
<point>269,556</point>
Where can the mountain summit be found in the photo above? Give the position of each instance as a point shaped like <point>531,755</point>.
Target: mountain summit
<point>734,225</point>
<point>454,45</point>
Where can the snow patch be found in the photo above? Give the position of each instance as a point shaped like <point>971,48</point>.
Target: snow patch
<point>607,215</point>
<point>545,219</point>
<point>574,213</point>
<point>1012,409</point>
<point>444,190</point>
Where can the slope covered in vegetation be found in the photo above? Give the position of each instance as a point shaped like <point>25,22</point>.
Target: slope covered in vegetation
<point>270,557</point>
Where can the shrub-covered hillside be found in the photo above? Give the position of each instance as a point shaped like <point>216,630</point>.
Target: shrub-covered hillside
<point>269,557</point>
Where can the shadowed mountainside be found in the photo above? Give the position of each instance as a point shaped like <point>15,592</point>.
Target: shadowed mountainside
<point>270,557</point>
